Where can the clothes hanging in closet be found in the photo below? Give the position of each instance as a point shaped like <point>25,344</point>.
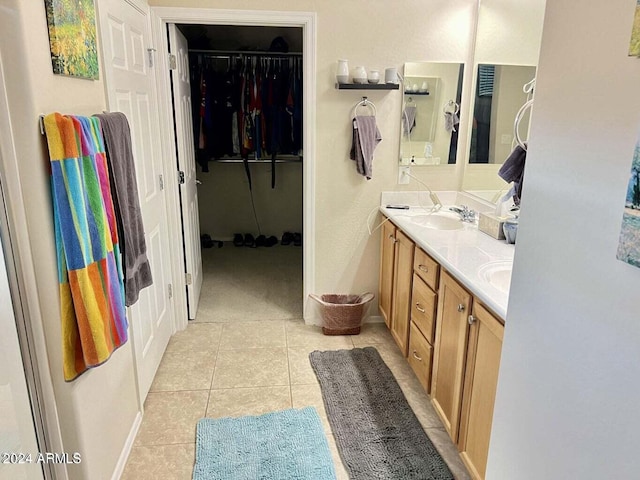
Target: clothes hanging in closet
<point>247,105</point>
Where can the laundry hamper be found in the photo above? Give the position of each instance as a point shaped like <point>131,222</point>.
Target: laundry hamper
<point>342,314</point>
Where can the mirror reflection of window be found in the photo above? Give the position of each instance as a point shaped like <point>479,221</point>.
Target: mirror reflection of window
<point>498,97</point>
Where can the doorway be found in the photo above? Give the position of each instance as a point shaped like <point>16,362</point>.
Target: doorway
<point>305,22</point>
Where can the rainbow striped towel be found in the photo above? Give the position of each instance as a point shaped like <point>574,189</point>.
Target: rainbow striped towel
<point>89,268</point>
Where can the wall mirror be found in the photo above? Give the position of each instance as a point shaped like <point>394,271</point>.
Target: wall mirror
<point>430,119</point>
<point>506,54</point>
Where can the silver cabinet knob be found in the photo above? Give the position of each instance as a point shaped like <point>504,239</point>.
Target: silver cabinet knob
<point>419,308</point>
<point>472,319</point>
<point>461,307</point>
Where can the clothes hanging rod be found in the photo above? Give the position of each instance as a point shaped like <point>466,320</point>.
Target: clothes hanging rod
<point>246,52</point>
<point>266,161</point>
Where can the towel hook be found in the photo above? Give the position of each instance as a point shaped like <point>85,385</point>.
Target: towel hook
<point>516,124</point>
<point>451,103</point>
<point>365,102</point>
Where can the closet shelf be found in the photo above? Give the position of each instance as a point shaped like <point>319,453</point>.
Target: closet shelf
<point>245,52</point>
<point>367,86</point>
<point>266,161</point>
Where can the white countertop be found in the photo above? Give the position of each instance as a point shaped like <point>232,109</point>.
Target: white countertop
<point>465,253</point>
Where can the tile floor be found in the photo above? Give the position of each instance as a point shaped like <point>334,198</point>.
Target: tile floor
<point>218,369</point>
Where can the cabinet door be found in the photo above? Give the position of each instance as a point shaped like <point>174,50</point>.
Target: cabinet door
<point>481,380</point>
<point>387,247</point>
<point>403,274</point>
<point>454,306</point>
<point>420,354</point>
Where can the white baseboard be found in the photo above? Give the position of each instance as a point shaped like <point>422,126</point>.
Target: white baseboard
<point>126,450</point>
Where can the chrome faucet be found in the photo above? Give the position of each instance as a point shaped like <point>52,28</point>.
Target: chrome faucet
<point>466,214</point>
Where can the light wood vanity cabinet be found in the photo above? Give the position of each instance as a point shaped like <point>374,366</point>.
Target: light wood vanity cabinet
<point>454,306</point>
<point>451,341</point>
<point>401,303</point>
<point>481,381</point>
<point>396,270</point>
<point>387,249</point>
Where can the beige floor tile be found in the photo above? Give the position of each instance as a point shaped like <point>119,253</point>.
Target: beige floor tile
<point>188,370</point>
<point>201,337</point>
<point>310,396</point>
<point>236,402</point>
<point>420,403</point>
<point>373,334</point>
<point>168,462</point>
<point>301,335</point>
<point>449,452</point>
<point>171,417</point>
<point>252,367</point>
<point>395,361</point>
<point>341,472</point>
<point>300,368</point>
<point>253,335</point>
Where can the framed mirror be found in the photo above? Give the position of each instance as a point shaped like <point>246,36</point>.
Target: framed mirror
<point>506,54</point>
<point>430,117</point>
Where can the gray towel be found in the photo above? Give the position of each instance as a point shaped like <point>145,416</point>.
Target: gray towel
<point>450,121</point>
<point>122,169</point>
<point>409,119</point>
<point>512,170</point>
<point>366,138</point>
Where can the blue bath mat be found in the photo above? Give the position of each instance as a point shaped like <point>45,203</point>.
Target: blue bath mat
<point>290,444</point>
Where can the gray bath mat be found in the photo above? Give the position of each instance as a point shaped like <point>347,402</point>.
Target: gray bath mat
<point>377,433</point>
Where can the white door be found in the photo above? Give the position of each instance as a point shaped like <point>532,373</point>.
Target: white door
<point>179,48</point>
<point>130,85</point>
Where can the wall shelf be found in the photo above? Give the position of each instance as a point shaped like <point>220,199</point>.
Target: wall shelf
<point>367,86</point>
<point>417,93</point>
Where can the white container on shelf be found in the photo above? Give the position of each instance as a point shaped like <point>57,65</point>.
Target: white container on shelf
<point>359,75</point>
<point>342,72</point>
<point>374,76</point>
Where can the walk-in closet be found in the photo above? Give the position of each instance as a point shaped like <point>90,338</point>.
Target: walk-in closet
<point>246,102</point>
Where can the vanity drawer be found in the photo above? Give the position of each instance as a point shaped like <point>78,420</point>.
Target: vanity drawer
<point>420,356</point>
<point>423,307</point>
<point>427,268</point>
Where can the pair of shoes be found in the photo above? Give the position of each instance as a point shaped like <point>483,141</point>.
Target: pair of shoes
<point>238,240</point>
<point>287,238</point>
<point>205,241</point>
<point>297,239</point>
<point>263,241</point>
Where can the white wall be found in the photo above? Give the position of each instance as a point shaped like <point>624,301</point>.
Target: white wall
<point>376,35</point>
<point>568,391</point>
<point>97,410</point>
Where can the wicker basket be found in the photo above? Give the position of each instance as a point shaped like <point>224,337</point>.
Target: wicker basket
<point>342,314</point>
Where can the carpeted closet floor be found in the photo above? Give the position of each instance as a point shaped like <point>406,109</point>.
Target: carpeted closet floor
<point>247,353</point>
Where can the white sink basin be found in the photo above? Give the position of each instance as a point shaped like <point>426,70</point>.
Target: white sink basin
<point>437,221</point>
<point>497,274</point>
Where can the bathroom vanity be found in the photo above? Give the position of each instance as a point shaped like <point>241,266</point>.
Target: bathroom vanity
<point>443,295</point>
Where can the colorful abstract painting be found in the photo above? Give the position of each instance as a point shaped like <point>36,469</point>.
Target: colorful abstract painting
<point>634,48</point>
<point>629,247</point>
<point>72,37</point>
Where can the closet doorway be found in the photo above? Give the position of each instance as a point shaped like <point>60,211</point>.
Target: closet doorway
<point>239,114</point>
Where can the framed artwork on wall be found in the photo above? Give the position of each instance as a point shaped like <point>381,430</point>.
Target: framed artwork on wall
<point>629,245</point>
<point>634,47</point>
<point>72,37</point>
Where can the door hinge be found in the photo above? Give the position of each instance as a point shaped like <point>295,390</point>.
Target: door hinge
<point>161,182</point>
<point>181,177</point>
<point>170,291</point>
<point>150,53</point>
<point>173,62</point>
<point>188,279</point>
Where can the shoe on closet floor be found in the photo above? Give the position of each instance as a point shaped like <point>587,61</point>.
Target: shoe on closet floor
<point>271,241</point>
<point>249,241</point>
<point>261,241</point>
<point>238,241</point>
<point>287,238</point>
<point>297,239</point>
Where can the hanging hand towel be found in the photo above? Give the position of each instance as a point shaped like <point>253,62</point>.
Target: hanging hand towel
<point>512,170</point>
<point>450,121</point>
<point>409,119</point>
<point>89,270</point>
<point>366,138</point>
<point>117,140</point>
